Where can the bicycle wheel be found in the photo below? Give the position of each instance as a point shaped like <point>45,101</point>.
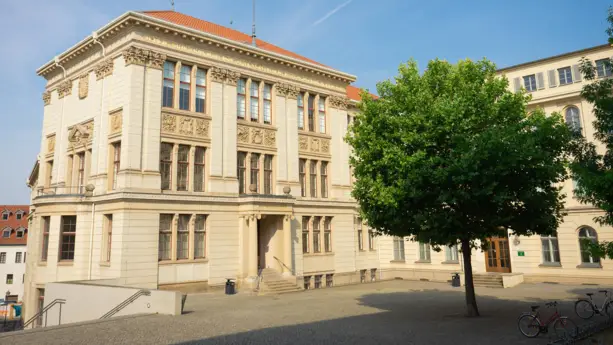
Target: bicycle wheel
<point>608,310</point>
<point>529,325</point>
<point>584,309</point>
<point>565,328</point>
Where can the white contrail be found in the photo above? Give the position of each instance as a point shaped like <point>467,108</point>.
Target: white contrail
<point>329,14</point>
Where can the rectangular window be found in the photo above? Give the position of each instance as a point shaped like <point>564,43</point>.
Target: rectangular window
<point>311,113</point>
<point>183,237</point>
<point>566,76</point>
<point>313,181</point>
<point>530,82</point>
<point>19,216</point>
<point>200,236</point>
<point>254,93</point>
<point>305,234</point>
<point>242,171</point>
<point>199,156</point>
<point>301,110</point>
<point>241,91</point>
<point>5,216</point>
<point>371,239</point>
<point>603,68</point>
<point>267,104</point>
<point>302,172</point>
<point>108,237</point>
<point>328,234</point>
<point>322,115</point>
<point>329,280</point>
<point>399,248</point>
<point>9,279</point>
<point>307,282</point>
<point>166,165</point>
<point>200,90</point>
<point>183,167</point>
<point>373,274</point>
<point>80,172</point>
<point>18,257</point>
<point>45,245</point>
<point>169,84</point>
<point>362,276</point>
<point>255,171</point>
<point>424,251</point>
<point>451,253</point>
<point>67,239</point>
<point>116,162</point>
<point>267,174</point>
<point>316,235</point>
<point>3,258</point>
<point>551,249</point>
<point>318,281</point>
<point>49,174</point>
<point>165,237</point>
<point>360,234</point>
<point>324,179</point>
<point>185,82</point>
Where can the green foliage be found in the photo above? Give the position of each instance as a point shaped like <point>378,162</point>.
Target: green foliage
<point>452,155</point>
<point>593,160</point>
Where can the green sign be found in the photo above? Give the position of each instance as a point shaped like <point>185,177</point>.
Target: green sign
<point>521,253</point>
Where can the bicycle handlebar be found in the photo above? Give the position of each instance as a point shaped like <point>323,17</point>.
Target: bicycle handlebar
<point>551,304</point>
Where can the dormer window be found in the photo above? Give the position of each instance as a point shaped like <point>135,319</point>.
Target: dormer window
<point>19,214</point>
<point>21,232</point>
<point>5,215</point>
<point>6,233</point>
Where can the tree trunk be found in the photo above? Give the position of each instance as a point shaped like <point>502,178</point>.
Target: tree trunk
<point>471,300</point>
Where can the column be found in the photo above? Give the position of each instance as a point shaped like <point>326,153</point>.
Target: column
<point>152,119</point>
<point>291,115</point>
<point>230,127</point>
<point>287,242</point>
<point>217,130</point>
<point>281,120</point>
<point>253,246</point>
<point>190,176</point>
<point>192,237</point>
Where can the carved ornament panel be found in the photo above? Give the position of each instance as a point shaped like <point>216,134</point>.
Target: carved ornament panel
<point>185,126</point>
<point>115,122</point>
<point>313,145</point>
<point>81,134</point>
<point>51,143</point>
<point>251,135</point>
<point>83,86</point>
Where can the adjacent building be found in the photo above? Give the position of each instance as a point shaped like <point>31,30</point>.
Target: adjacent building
<point>177,154</point>
<point>13,240</point>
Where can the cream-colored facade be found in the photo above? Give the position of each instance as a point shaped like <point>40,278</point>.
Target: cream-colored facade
<point>174,158</point>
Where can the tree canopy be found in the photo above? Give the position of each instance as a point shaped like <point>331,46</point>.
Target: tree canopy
<point>451,156</point>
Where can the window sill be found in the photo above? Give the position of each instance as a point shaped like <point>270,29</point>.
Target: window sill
<point>178,111</point>
<point>318,254</point>
<point>423,262</point>
<point>105,264</point>
<point>255,124</point>
<point>398,261</point>
<point>65,263</point>
<point>589,266</point>
<point>451,262</point>
<point>182,262</point>
<point>42,263</point>
<point>551,264</point>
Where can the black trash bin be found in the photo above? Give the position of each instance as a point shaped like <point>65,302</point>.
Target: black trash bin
<point>455,280</point>
<point>230,287</point>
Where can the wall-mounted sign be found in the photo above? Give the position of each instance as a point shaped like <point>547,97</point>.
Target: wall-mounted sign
<point>521,253</point>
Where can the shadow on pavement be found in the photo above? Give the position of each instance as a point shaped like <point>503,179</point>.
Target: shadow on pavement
<point>412,317</point>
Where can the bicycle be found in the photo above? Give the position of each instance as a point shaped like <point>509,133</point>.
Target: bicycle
<point>531,326</point>
<point>585,308</point>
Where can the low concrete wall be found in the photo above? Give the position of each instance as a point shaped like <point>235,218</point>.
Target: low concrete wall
<point>512,279</point>
<point>89,302</point>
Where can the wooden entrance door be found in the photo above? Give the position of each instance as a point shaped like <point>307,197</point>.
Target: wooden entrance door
<point>497,256</point>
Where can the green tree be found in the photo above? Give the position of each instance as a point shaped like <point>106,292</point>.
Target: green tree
<point>450,156</point>
<point>593,160</point>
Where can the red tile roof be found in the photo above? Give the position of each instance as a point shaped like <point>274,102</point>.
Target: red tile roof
<point>353,93</point>
<point>222,31</point>
<point>13,223</point>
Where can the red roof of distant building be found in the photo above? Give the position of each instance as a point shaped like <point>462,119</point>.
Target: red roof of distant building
<point>13,223</point>
<point>353,93</point>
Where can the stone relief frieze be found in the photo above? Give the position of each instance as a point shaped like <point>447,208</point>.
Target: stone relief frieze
<point>169,123</point>
<point>81,134</point>
<point>116,120</point>
<point>51,143</point>
<point>83,86</point>
<point>256,136</point>
<point>303,143</point>
<point>314,145</point>
<point>185,125</point>
<point>202,128</point>
<point>242,135</point>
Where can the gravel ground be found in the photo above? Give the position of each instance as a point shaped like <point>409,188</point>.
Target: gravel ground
<point>392,312</point>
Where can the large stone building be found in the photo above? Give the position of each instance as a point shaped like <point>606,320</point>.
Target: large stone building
<point>177,154</point>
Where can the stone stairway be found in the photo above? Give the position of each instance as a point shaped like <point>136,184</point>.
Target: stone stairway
<point>274,283</point>
<point>491,280</point>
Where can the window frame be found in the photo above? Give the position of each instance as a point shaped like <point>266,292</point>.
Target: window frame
<point>20,230</point>
<point>323,176</point>
<point>311,113</point>
<point>321,111</point>
<point>583,248</point>
<point>64,255</point>
<point>202,232</point>
<point>183,167</point>
<point>254,171</point>
<point>182,238</point>
<point>360,232</point>
<point>241,98</point>
<point>108,237</point>
<point>199,182</point>
<point>317,234</point>
<point>300,101</point>
<point>171,82</point>
<point>302,175</point>
<point>425,252</point>
<point>607,70</point>
<point>7,230</point>
<point>565,76</point>
<point>46,223</point>
<point>9,279</point>
<point>268,169</point>
<point>452,254</point>
<point>573,121</point>
<point>267,104</point>
<point>398,245</point>
<point>116,163</point>
<point>313,178</point>
<point>306,234</point>
<point>329,280</point>
<point>2,257</point>
<point>18,257</point>
<point>200,88</point>
<point>371,239</point>
<point>167,163</point>
<point>529,82</point>
<point>254,101</point>
<point>185,85</point>
<point>327,234</point>
<point>166,235</point>
<point>5,215</point>
<point>242,171</point>
<point>552,253</point>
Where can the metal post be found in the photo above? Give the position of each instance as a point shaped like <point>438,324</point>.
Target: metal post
<point>45,318</point>
<point>60,319</point>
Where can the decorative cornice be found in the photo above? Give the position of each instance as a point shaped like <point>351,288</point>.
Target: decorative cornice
<point>288,90</point>
<point>339,102</point>
<point>104,69</point>
<point>47,97</point>
<point>143,57</point>
<point>224,75</point>
<point>64,89</point>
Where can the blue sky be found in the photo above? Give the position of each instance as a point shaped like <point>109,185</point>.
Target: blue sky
<point>364,37</point>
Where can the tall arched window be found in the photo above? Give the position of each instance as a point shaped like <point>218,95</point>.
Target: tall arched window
<point>587,235</point>
<point>573,120</point>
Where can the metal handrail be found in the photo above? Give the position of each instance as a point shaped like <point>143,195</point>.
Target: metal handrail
<point>284,265</point>
<point>59,301</point>
<point>123,304</point>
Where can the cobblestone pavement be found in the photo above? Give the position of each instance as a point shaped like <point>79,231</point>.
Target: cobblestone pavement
<point>392,312</point>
